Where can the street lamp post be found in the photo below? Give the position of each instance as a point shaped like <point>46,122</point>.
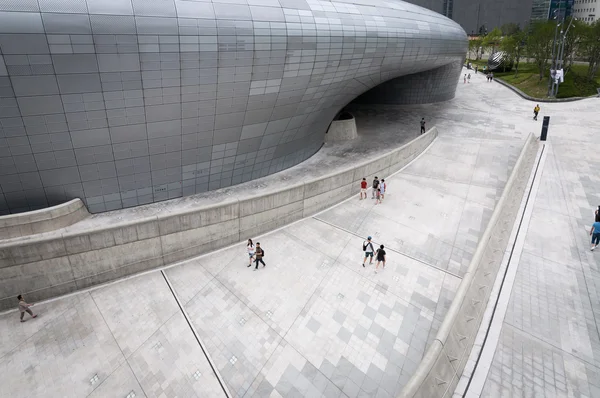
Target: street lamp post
<point>561,56</point>
<point>554,51</point>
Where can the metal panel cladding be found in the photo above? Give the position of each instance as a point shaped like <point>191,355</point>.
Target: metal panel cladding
<point>128,102</point>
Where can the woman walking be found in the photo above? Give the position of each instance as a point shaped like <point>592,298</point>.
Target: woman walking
<point>251,250</point>
<point>380,257</point>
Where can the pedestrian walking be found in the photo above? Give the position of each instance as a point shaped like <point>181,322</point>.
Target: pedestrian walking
<point>422,125</point>
<point>465,78</point>
<point>380,257</point>
<point>469,78</point>
<point>260,253</point>
<point>476,69</point>
<point>378,195</point>
<point>251,250</point>
<point>597,212</point>
<point>536,110</point>
<point>368,249</point>
<point>595,233</point>
<point>375,187</point>
<point>363,188</point>
<point>491,76</point>
<point>382,189</point>
<point>24,308</point>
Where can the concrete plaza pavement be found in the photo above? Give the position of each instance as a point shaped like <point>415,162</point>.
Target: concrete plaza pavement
<point>549,342</point>
<point>313,322</point>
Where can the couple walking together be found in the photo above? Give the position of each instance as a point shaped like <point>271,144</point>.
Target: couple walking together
<point>369,250</point>
<point>256,253</point>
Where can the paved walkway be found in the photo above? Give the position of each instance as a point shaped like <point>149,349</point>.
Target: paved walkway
<point>314,322</point>
<point>549,344</point>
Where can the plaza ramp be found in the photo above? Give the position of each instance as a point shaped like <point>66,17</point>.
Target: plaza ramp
<point>313,322</point>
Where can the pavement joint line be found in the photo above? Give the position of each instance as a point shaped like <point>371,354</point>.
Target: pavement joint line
<point>200,343</point>
<point>390,249</point>
<point>120,349</point>
<point>519,238</point>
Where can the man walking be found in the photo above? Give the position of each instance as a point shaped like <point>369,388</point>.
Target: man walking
<point>536,110</point>
<point>469,78</point>
<point>422,125</point>
<point>368,249</point>
<point>363,188</point>
<point>259,254</point>
<point>375,187</point>
<point>24,308</point>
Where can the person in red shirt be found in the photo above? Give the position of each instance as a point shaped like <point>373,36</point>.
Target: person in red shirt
<point>363,188</point>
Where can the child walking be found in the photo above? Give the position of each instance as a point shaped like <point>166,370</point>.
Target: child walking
<point>24,308</point>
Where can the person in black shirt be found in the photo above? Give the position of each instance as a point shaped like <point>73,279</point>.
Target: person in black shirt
<point>259,254</point>
<point>380,254</point>
<point>375,187</point>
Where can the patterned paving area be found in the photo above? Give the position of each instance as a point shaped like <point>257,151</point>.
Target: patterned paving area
<point>313,322</point>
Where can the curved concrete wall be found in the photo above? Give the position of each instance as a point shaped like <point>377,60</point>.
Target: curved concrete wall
<point>44,220</point>
<point>44,267</point>
<point>440,370</point>
<point>128,102</point>
<point>342,130</point>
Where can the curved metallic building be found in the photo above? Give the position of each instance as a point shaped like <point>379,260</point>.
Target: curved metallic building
<point>127,102</point>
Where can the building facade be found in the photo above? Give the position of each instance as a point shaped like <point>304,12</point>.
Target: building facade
<point>477,16</point>
<point>586,10</point>
<point>128,102</point>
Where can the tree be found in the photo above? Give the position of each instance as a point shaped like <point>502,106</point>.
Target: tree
<point>474,48</point>
<point>510,46</point>
<point>509,29</point>
<point>492,39</point>
<point>521,39</point>
<point>590,48</point>
<point>572,42</point>
<point>539,44</point>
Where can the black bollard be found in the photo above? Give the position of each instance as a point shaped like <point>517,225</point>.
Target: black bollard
<point>545,128</point>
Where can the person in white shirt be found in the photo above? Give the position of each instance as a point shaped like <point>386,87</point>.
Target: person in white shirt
<point>251,251</point>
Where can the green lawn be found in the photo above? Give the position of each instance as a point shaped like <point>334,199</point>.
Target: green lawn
<point>528,81</point>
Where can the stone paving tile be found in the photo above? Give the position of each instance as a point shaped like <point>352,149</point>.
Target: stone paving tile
<point>351,325</point>
<point>524,366</point>
<point>121,383</point>
<point>134,311</point>
<point>171,364</point>
<point>287,373</point>
<point>294,270</point>
<point>77,340</point>
<point>408,279</point>
<point>545,304</point>
<point>237,339</point>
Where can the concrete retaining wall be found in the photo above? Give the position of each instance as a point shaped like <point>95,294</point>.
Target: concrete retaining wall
<point>439,372</point>
<point>44,220</point>
<point>47,267</point>
<point>342,130</point>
